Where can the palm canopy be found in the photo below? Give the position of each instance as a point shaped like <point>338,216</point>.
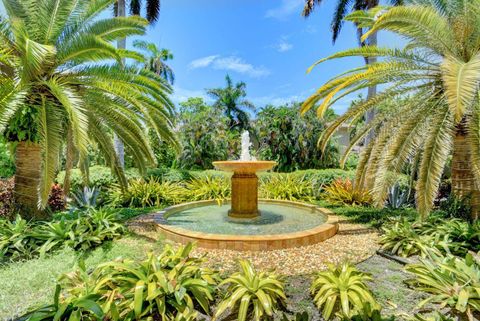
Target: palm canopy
<point>342,9</point>
<point>155,59</point>
<point>63,72</point>
<point>231,100</point>
<point>438,69</point>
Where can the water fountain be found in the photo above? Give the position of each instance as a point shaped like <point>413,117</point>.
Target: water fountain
<point>244,203</point>
<point>245,222</point>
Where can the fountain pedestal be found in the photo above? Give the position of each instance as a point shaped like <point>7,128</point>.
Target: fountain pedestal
<point>244,196</point>
<point>244,186</point>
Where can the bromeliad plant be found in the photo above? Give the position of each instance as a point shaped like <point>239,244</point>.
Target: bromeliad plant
<point>16,241</point>
<point>252,295</point>
<point>452,282</point>
<point>438,69</point>
<point>167,287</point>
<point>344,192</point>
<point>341,290</point>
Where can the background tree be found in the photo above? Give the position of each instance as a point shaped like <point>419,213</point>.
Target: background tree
<point>58,85</point>
<point>291,141</point>
<point>439,69</point>
<point>231,101</point>
<point>342,9</point>
<point>156,59</point>
<point>152,13</point>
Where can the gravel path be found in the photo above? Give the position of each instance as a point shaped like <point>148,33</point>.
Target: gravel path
<point>353,242</point>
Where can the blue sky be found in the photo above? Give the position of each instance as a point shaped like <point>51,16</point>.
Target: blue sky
<point>265,43</point>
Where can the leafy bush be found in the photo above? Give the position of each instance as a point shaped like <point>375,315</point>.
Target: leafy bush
<point>208,187</point>
<point>286,187</point>
<point>342,289</point>
<point>453,206</point>
<point>452,282</point>
<point>99,176</point>
<point>251,294</point>
<point>21,239</point>
<point>344,192</point>
<point>291,140</point>
<point>146,193</point>
<point>171,286</point>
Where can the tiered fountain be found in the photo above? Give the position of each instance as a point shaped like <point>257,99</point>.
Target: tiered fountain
<point>245,222</point>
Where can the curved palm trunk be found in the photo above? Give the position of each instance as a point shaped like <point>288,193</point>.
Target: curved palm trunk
<point>28,158</point>
<point>464,183</point>
<point>121,44</point>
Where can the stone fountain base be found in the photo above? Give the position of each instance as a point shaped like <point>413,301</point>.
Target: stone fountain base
<point>244,196</point>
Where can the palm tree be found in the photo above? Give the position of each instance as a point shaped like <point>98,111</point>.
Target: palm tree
<point>59,85</point>
<point>231,101</point>
<point>156,60</point>
<point>152,14</point>
<point>343,8</point>
<point>439,71</point>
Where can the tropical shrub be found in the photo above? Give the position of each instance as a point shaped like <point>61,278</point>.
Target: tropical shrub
<point>291,141</point>
<point>344,192</point>
<point>342,290</point>
<point>85,198</point>
<point>208,187</point>
<point>436,316</point>
<point>451,282</point>
<point>56,199</point>
<point>146,193</point>
<point>171,286</point>
<point>286,187</point>
<point>99,176</point>
<point>251,295</point>
<point>454,206</point>
<point>16,241</point>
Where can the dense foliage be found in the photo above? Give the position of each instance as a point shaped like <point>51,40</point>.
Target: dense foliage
<point>291,140</point>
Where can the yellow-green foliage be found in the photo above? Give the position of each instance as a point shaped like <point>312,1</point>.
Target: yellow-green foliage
<point>208,187</point>
<point>344,192</point>
<point>286,187</point>
<point>342,290</point>
<point>255,295</point>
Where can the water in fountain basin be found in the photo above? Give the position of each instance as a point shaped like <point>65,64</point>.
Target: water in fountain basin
<point>274,219</point>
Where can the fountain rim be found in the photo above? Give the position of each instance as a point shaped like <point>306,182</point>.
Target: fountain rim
<point>244,166</point>
<point>248,242</point>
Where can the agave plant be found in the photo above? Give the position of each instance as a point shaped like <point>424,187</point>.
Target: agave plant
<point>438,70</point>
<point>85,198</point>
<point>342,290</point>
<point>251,294</point>
<point>452,282</point>
<point>63,81</point>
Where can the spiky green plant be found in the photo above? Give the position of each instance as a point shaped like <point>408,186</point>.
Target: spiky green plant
<point>286,187</point>
<point>342,290</point>
<point>59,85</point>
<point>251,294</point>
<point>452,282</point>
<point>208,187</point>
<point>438,70</point>
<point>344,192</point>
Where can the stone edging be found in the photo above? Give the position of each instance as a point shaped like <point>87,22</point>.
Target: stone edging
<point>247,242</point>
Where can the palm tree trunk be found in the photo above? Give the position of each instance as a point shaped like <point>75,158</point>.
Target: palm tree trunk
<point>121,44</point>
<point>464,183</point>
<point>28,158</point>
<point>372,91</point>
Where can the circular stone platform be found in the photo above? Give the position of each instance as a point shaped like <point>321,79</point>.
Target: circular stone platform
<point>281,225</point>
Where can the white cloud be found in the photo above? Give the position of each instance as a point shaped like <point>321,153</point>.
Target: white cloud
<point>283,45</point>
<point>230,63</point>
<point>203,62</point>
<point>286,9</point>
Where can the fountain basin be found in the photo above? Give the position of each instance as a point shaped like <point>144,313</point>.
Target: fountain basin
<point>283,224</point>
<point>247,167</point>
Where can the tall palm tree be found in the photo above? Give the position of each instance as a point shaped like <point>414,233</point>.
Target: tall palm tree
<point>439,70</point>
<point>152,13</point>
<point>342,9</point>
<point>231,101</point>
<point>156,59</point>
<point>59,85</point>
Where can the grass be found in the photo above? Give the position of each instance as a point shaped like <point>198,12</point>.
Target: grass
<point>31,283</point>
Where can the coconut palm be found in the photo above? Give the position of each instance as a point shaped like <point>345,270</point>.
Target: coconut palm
<point>439,70</point>
<point>59,85</point>
<point>119,10</point>
<point>231,101</point>
<point>156,59</point>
